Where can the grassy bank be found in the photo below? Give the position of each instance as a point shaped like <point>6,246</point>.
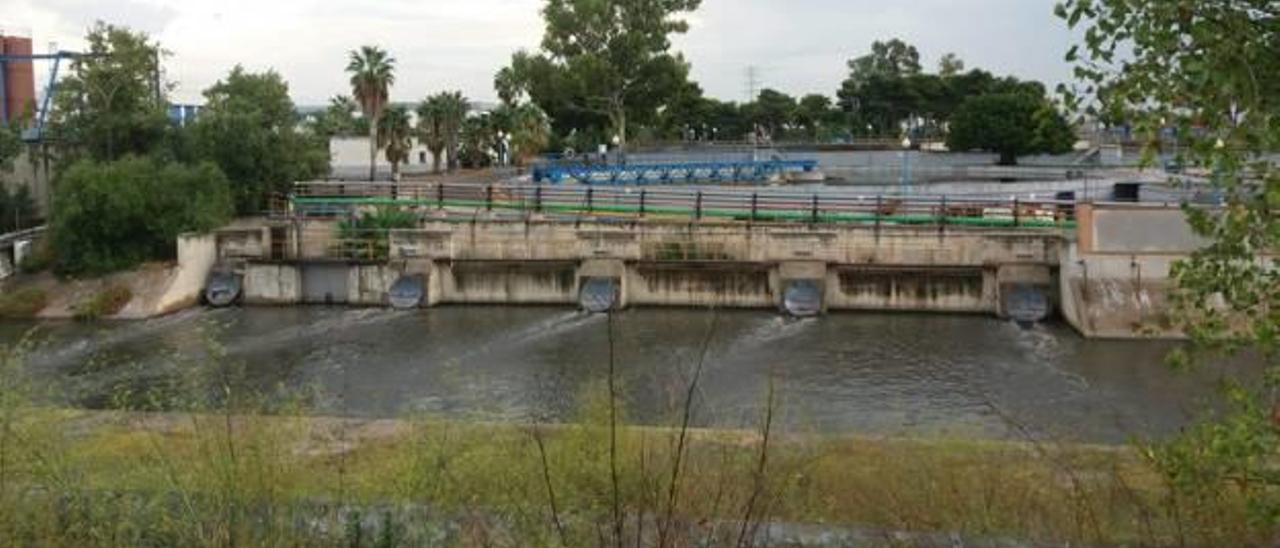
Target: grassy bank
<point>223,466</point>
<point>80,478</point>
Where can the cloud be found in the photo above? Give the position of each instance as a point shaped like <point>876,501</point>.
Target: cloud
<point>799,46</point>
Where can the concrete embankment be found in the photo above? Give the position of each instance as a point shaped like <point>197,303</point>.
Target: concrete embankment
<point>151,290</point>
<point>734,265</point>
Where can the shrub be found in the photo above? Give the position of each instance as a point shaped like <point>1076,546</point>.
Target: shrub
<point>23,303</point>
<point>108,302</point>
<point>17,209</point>
<point>113,216</point>
<point>368,236</point>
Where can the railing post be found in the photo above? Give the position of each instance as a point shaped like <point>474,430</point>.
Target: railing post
<point>439,195</point>
<point>488,197</point>
<point>590,199</point>
<point>879,207</point>
<point>642,200</point>
<point>755,205</point>
<point>537,198</point>
<point>1016,213</point>
<point>942,215</point>
<point>815,208</point>
<point>697,211</point>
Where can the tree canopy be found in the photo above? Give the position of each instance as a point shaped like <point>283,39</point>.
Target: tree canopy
<point>249,128</point>
<point>114,215</point>
<point>604,64</point>
<point>1210,71</point>
<point>373,72</point>
<point>113,101</point>
<point>1010,124</point>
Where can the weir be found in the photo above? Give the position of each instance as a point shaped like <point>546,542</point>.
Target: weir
<point>601,265</point>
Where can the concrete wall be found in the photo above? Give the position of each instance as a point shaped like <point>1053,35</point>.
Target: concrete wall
<point>272,284</point>
<point>727,285</point>
<point>197,255</point>
<point>349,159</point>
<point>1114,280</point>
<point>501,282</point>
<point>666,264</point>
<point>963,290</point>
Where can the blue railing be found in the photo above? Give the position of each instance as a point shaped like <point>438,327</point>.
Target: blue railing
<point>669,173</point>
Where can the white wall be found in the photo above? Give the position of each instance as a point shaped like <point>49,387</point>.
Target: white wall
<point>349,159</point>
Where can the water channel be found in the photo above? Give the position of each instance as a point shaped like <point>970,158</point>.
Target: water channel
<point>851,373</point>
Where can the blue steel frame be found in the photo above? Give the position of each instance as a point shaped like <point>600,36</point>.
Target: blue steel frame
<point>672,173</point>
<point>49,90</point>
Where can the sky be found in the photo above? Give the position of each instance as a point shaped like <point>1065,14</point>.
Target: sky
<point>796,46</point>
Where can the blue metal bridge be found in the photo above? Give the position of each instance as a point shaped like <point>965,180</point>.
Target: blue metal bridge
<point>670,173</point>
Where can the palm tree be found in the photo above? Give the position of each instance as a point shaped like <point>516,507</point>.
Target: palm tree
<point>431,129</point>
<point>395,134</point>
<point>530,132</point>
<point>372,73</point>
<point>453,112</point>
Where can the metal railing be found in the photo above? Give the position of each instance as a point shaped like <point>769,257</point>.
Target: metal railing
<point>744,205</point>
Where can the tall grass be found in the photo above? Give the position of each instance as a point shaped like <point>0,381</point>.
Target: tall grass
<point>226,465</point>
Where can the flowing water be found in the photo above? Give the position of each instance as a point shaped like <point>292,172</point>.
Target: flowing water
<point>879,374</point>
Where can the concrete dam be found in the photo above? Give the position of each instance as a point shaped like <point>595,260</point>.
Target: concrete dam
<point>1100,273</point>
<point>601,265</point>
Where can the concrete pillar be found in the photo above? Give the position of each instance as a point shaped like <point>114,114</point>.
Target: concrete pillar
<point>7,267</point>
<point>802,287</point>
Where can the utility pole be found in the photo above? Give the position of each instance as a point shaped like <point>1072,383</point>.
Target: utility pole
<point>753,86</point>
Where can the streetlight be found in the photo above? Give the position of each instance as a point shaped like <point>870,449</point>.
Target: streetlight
<point>502,148</point>
<point>906,165</point>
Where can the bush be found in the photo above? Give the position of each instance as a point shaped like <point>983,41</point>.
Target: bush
<point>113,216</point>
<point>107,302</point>
<point>17,209</point>
<point>23,303</point>
<point>368,237</point>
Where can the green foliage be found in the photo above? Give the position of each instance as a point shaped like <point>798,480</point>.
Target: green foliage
<point>479,135</point>
<point>368,237</point>
<point>372,72</point>
<point>773,111</point>
<point>339,119</point>
<point>604,64</point>
<point>395,136</point>
<point>1011,124</point>
<point>249,129</point>
<point>1210,71</point>
<point>17,209</point>
<point>112,216</point>
<point>22,303</point>
<point>11,146</point>
<point>112,103</point>
<point>440,120</point>
<point>108,302</point>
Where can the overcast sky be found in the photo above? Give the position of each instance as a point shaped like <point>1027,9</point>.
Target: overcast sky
<point>798,46</point>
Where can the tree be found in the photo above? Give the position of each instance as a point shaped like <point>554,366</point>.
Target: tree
<point>395,136</point>
<point>1007,124</point>
<point>112,216</point>
<point>372,73</point>
<point>478,137</point>
<point>249,128</point>
<point>950,65</point>
<point>773,111</point>
<point>530,132</point>
<point>815,114</point>
<point>453,108</point>
<point>431,129</point>
<point>339,119</point>
<point>1210,71</point>
<point>604,59</point>
<point>11,146</point>
<point>113,102</point>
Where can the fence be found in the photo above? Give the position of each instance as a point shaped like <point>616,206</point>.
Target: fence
<point>745,205</point>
